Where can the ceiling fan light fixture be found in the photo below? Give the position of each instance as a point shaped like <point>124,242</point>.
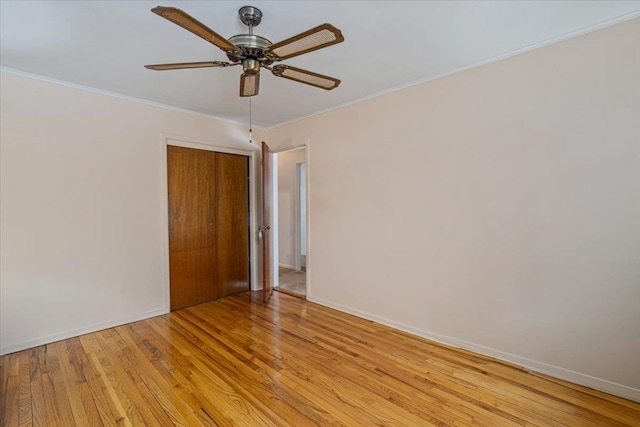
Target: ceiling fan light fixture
<point>251,66</point>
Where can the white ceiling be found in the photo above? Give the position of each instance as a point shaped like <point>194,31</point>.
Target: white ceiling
<point>388,44</point>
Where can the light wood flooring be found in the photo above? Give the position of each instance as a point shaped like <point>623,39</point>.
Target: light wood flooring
<point>292,363</point>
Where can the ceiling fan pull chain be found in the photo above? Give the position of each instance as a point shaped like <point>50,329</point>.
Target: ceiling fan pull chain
<point>250,130</point>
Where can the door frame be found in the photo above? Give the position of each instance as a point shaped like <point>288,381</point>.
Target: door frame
<point>207,145</point>
<point>298,246</point>
<point>307,161</point>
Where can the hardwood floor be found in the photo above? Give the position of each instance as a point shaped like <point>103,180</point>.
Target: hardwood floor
<point>292,363</point>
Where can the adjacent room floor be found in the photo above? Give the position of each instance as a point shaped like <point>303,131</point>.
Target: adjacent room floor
<point>232,362</point>
<point>292,281</point>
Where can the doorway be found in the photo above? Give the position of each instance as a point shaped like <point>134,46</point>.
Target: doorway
<point>290,221</point>
<point>208,224</point>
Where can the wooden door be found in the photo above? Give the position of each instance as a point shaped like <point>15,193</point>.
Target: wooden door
<point>208,225</point>
<point>192,241</point>
<point>232,217</point>
<point>267,208</point>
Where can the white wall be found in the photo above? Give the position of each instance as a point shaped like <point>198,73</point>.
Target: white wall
<point>496,209</point>
<point>81,201</point>
<point>302,188</point>
<point>287,199</point>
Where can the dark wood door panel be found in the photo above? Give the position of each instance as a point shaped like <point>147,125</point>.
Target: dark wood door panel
<point>232,237</point>
<point>192,277</point>
<point>191,179</point>
<point>192,241</point>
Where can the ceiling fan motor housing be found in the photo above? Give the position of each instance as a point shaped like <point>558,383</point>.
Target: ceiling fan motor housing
<point>250,46</point>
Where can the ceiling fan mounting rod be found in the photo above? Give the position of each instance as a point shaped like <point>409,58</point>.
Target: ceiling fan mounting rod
<point>250,46</point>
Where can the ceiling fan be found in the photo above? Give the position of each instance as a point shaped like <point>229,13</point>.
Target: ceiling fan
<point>254,52</point>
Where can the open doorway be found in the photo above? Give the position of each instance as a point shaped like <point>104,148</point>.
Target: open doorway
<point>290,221</point>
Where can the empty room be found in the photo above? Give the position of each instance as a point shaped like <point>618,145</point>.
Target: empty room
<point>456,240</point>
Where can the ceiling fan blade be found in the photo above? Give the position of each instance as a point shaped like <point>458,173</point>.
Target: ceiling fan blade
<point>304,76</point>
<point>189,23</point>
<point>183,65</point>
<point>316,38</point>
<point>249,84</point>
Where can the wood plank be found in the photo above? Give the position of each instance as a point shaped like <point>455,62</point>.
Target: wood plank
<point>383,392</point>
<point>4,398</point>
<point>192,243</point>
<point>25,412</point>
<point>219,398</point>
<point>306,380</point>
<point>257,386</point>
<point>123,410</point>
<point>70,378</point>
<point>10,381</point>
<point>444,379</point>
<point>39,412</point>
<point>135,407</point>
<point>232,220</point>
<point>56,401</point>
<point>132,384</point>
<point>176,400</point>
<point>230,362</point>
<point>109,411</point>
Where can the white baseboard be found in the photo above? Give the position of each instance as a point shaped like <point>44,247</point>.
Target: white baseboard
<point>77,332</point>
<point>528,364</point>
<point>291,267</point>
